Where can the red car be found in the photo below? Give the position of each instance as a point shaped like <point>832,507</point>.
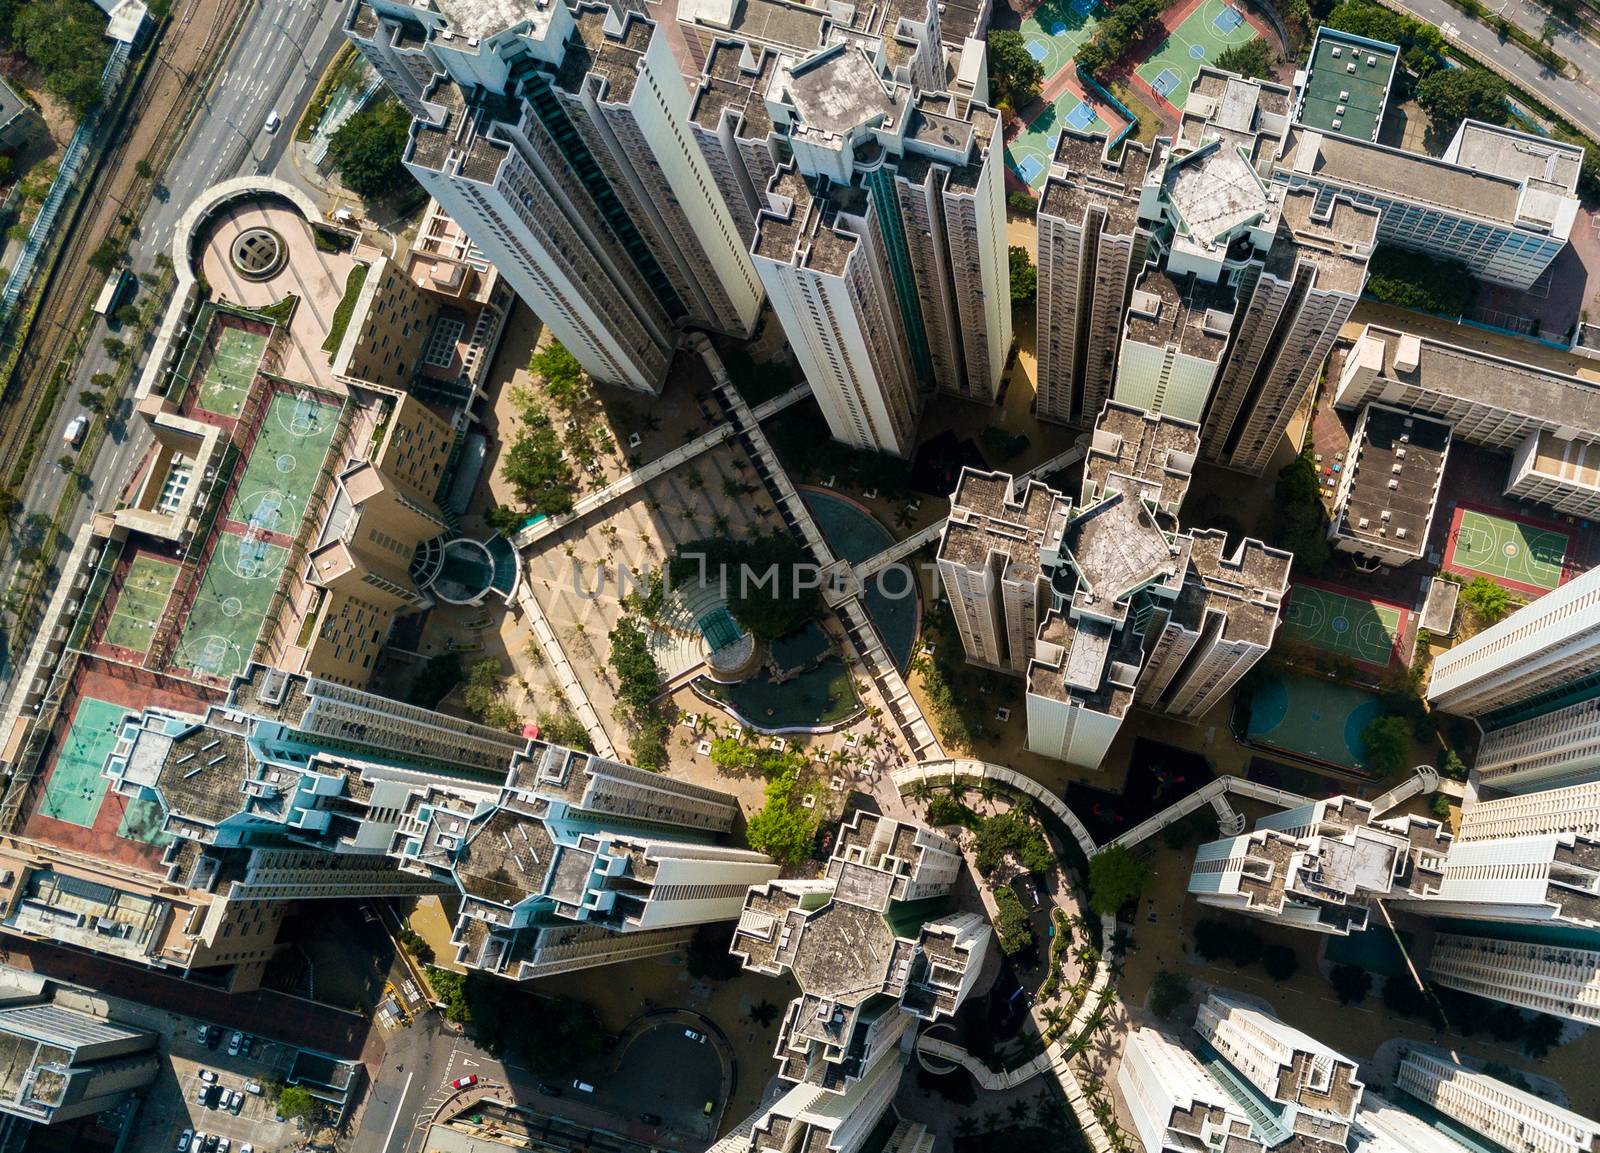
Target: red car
<point>466,1082</point>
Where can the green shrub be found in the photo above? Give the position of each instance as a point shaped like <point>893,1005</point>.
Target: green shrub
<point>1011,922</point>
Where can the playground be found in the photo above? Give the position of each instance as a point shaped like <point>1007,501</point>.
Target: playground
<point>75,788</point>
<point>1314,718</point>
<point>1362,630</point>
<point>137,611</point>
<point>1204,30</point>
<point>231,605</point>
<point>236,348</point>
<point>1524,555</point>
<point>281,473</point>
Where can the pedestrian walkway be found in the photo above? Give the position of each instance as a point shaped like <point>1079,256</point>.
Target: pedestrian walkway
<point>571,687</point>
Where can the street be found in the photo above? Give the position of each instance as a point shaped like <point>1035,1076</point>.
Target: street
<point>274,63</point>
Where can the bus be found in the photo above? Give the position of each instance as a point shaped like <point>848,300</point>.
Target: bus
<point>111,295</point>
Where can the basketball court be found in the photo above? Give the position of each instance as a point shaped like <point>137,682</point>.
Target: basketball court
<point>139,604</point>
<point>1052,35</point>
<point>1523,555</point>
<point>235,356</point>
<point>1032,150</point>
<point>281,473</point>
<point>75,788</point>
<point>1211,28</point>
<point>231,605</point>
<point>1362,630</point>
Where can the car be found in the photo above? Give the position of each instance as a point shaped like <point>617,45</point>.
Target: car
<point>650,1118</point>
<point>548,1089</point>
<point>583,1086</point>
<point>246,1045</point>
<point>253,1088</point>
<point>234,1043</point>
<point>202,1034</point>
<point>223,1145</point>
<point>202,1096</point>
<point>708,1108</point>
<point>213,1038</point>
<point>235,1101</point>
<point>466,1082</point>
<point>209,1076</point>
<point>273,120</point>
<point>72,436</point>
<point>199,1142</point>
<point>211,1143</point>
<point>247,1148</point>
<point>693,1036</point>
<point>183,1140</point>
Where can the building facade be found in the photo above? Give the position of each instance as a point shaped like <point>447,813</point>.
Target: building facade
<point>1510,1117</point>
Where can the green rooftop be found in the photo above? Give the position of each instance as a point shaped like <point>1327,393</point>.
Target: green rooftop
<point>1339,99</point>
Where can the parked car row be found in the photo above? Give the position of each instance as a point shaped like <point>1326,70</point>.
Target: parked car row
<point>239,1044</point>
<point>192,1141</point>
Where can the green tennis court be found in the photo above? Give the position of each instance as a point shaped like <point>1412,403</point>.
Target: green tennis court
<point>282,470</point>
<point>140,602</point>
<point>1205,34</point>
<point>235,356</point>
<point>230,606</point>
<point>75,788</point>
<point>1507,550</point>
<point>1359,629</point>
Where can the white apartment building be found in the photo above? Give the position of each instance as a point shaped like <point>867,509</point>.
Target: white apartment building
<point>1573,809</point>
<point>1561,980</point>
<point>1544,751</point>
<point>990,565</point>
<point>1538,879</point>
<point>1543,418</point>
<point>1092,246</point>
<point>870,963</point>
<point>1318,866</point>
<point>1510,1117</point>
<point>1174,339</point>
<point>558,140</point>
<point>882,244</point>
<point>730,121</point>
<point>1389,487</point>
<point>1535,654</point>
<point>1313,1087</point>
<point>1178,1107</point>
<point>1383,1127</point>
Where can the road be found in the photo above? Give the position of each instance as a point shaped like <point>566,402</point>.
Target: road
<point>275,61</point>
<point>1576,99</point>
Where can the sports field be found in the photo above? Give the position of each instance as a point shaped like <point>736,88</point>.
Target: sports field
<point>1204,35</point>
<point>1319,719</point>
<point>75,788</point>
<point>235,356</point>
<point>230,606</point>
<point>1052,35</point>
<point>1359,629</point>
<point>138,607</point>
<point>1525,556</point>
<point>284,462</point>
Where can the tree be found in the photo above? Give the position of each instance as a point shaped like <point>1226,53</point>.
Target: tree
<point>295,1102</point>
<point>1012,831</point>
<point>106,256</point>
<point>1416,280</point>
<point>1388,744</point>
<point>1011,922</point>
<point>1543,1034</point>
<point>1440,806</point>
<point>1253,59</point>
<point>367,151</point>
<point>1279,961</point>
<point>783,829</point>
<point>1450,765</point>
<point>562,728</point>
<point>1015,75</point>
<point>484,700</point>
<point>1169,993</point>
<point>1487,601</point>
<point>1300,523</point>
<point>1451,95</point>
<point>1116,876</point>
<point>1350,984</point>
<point>536,470</point>
<point>1024,276</point>
<point>66,39</point>
<point>946,810</point>
<point>143,169</point>
<point>563,375</point>
<point>93,401</point>
<point>760,576</point>
<point>638,675</point>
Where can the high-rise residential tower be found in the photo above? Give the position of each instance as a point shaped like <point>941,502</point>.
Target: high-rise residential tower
<point>558,139</point>
<point>1512,1118</point>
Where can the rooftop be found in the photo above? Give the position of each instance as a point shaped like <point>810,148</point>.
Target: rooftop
<point>1391,484</point>
<point>803,232</point>
<point>1195,315</point>
<point>1083,178</point>
<point>1117,548</point>
<point>734,82</point>
<point>1246,586</point>
<point>615,58</point>
<point>1217,193</point>
<point>1516,155</point>
<point>987,517</point>
<point>1347,84</point>
<point>1338,241</point>
<point>1149,447</point>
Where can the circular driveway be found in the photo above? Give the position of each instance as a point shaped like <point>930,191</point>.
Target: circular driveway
<point>663,1072</point>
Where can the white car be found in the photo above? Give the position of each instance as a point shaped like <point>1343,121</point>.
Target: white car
<point>183,1140</point>
<point>693,1036</point>
<point>208,1076</point>
<point>273,120</point>
<point>234,1042</point>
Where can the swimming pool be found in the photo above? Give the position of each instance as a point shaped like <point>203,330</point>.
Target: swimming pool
<point>890,599</point>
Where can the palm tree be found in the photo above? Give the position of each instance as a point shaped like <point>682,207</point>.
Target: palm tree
<point>1018,1111</point>
<point>1054,1016</point>
<point>966,1126</point>
<point>991,1120</point>
<point>1049,1111</point>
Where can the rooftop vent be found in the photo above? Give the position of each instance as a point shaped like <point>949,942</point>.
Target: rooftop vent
<point>1400,533</point>
<point>1337,122</point>
<point>1337,52</point>
<point>1350,67</point>
<point>1343,95</point>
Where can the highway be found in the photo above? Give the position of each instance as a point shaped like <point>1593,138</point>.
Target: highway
<point>1576,99</point>
<point>274,63</point>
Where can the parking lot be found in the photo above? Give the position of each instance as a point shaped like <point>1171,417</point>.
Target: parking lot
<point>174,1105</point>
